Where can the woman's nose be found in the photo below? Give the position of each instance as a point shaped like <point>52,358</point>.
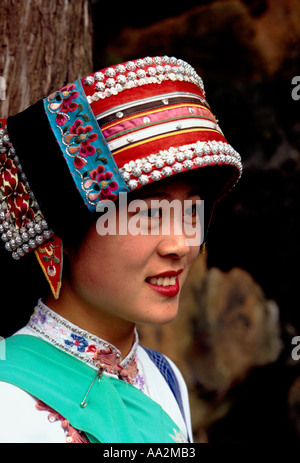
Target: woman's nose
<point>174,244</point>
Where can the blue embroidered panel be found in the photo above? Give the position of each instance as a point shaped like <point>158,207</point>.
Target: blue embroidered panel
<point>167,372</point>
<point>83,146</point>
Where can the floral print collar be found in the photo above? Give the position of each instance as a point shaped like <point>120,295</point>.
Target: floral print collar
<point>89,348</point>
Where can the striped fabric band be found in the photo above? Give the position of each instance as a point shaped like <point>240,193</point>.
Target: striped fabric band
<point>153,118</point>
<point>161,130</point>
<point>147,104</point>
<point>149,118</point>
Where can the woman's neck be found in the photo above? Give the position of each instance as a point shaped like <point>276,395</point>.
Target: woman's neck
<point>116,331</point>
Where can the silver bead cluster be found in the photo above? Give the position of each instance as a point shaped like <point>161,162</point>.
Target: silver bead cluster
<point>21,240</point>
<point>114,80</point>
<point>174,160</point>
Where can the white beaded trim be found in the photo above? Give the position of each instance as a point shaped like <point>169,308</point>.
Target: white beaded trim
<point>22,240</point>
<point>172,161</point>
<point>138,73</point>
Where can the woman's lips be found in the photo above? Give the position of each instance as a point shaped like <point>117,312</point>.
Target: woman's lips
<point>165,283</point>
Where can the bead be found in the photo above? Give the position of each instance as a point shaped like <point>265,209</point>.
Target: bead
<point>147,167</point>
<point>25,236</point>
<point>119,114</point>
<point>89,80</point>
<point>177,167</point>
<point>136,172</point>
<point>131,65</point>
<point>130,138</point>
<point>4,237</point>
<point>132,184</point>
<point>159,163</point>
<point>121,80</point>
<point>156,175</point>
<point>38,228</point>
<point>131,76</point>
<point>140,63</point>
<point>100,86</point>
<point>110,72</point>
<point>167,171</point>
<point>141,73</point>
<point>46,234</point>
<point>198,161</point>
<point>126,176</point>
<point>169,160</point>
<point>20,252</point>
<point>44,224</point>
<point>143,180</point>
<point>188,164</point>
<point>99,76</point>
<point>121,69</point>
<point>31,232</point>
<point>110,82</point>
<point>151,71</point>
<point>39,239</point>
<point>32,243</point>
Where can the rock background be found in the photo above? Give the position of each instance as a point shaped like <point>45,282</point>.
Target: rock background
<point>240,305</point>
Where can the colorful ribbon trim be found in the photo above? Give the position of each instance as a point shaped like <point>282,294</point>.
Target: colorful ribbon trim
<point>83,146</point>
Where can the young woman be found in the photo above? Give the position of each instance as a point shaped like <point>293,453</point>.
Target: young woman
<point>91,179</point>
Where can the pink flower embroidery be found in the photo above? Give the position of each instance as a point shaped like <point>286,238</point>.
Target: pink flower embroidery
<point>101,178</point>
<point>84,138</point>
<point>67,104</point>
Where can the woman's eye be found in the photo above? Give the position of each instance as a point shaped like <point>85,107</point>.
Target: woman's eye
<point>192,211</point>
<point>151,213</point>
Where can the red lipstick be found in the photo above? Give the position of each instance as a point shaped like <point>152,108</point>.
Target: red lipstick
<point>169,291</point>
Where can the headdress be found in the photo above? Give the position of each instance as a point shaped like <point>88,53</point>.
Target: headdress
<point>113,131</point>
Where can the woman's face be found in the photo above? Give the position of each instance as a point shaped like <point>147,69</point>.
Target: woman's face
<point>138,278</point>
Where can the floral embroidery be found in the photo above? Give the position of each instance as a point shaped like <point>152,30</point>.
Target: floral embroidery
<point>64,103</point>
<point>82,143</point>
<point>88,348</point>
<point>73,435</point>
<point>77,341</point>
<point>99,176</point>
<point>83,139</point>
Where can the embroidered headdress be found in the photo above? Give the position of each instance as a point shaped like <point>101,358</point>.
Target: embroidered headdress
<point>114,131</point>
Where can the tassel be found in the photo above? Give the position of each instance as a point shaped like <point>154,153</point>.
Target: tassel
<point>50,258</point>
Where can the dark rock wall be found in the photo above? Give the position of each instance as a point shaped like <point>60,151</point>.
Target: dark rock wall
<point>240,307</point>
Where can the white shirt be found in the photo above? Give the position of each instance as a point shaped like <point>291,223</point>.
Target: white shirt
<point>21,420</point>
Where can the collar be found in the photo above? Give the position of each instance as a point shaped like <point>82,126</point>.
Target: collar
<point>92,350</point>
